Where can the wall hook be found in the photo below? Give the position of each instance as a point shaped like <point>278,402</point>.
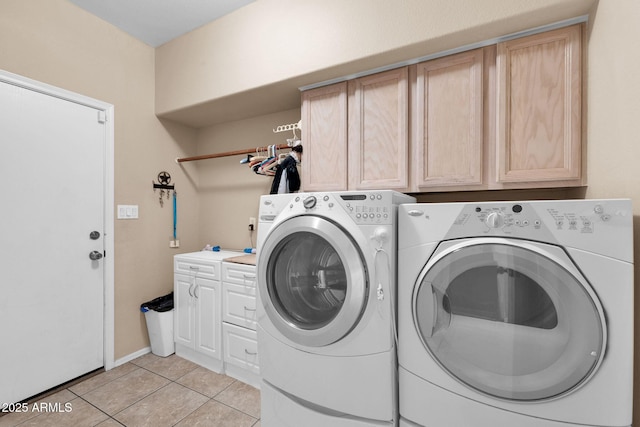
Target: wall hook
<point>164,178</point>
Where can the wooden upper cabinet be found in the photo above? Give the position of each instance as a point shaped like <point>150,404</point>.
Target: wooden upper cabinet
<point>378,131</point>
<point>324,138</point>
<point>355,134</point>
<point>449,122</point>
<point>539,129</point>
<point>502,116</point>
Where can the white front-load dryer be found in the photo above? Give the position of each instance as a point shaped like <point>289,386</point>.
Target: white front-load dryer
<point>326,308</point>
<point>516,314</point>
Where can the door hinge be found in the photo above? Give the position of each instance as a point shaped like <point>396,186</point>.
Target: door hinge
<point>102,116</point>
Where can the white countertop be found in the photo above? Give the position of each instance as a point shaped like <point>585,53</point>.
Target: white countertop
<point>211,255</point>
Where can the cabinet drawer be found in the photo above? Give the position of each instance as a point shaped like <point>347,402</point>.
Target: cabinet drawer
<point>240,347</point>
<point>197,268</point>
<point>241,274</point>
<point>239,305</point>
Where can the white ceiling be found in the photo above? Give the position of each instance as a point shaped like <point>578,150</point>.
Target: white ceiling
<point>156,22</point>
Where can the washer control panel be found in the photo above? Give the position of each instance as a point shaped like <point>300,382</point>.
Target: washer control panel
<point>363,208</point>
<point>372,208</point>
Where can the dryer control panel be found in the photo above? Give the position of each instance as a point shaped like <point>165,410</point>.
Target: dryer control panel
<point>601,226</point>
<point>501,217</point>
<point>513,218</point>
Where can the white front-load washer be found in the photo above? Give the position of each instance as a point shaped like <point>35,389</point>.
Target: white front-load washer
<point>326,308</point>
<point>516,314</point>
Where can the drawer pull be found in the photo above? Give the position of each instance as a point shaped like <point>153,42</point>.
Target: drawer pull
<point>249,309</point>
<point>250,353</point>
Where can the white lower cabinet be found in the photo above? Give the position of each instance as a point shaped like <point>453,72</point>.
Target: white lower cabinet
<point>197,318</point>
<point>215,314</point>
<point>239,322</point>
<point>198,307</point>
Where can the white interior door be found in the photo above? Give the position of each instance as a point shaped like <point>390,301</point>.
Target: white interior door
<point>52,170</point>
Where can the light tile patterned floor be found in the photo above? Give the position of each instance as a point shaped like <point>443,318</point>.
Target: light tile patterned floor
<point>149,391</point>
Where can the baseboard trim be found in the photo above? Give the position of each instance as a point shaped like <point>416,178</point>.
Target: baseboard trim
<point>130,357</point>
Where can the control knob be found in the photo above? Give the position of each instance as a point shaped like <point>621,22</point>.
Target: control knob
<point>310,202</point>
<point>495,220</point>
<point>380,235</point>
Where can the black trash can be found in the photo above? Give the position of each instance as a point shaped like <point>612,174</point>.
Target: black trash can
<point>158,313</point>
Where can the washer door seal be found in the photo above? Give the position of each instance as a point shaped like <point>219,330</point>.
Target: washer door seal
<point>312,280</point>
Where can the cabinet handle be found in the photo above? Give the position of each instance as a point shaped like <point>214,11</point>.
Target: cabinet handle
<point>194,291</point>
<point>250,353</point>
<point>249,309</point>
<point>194,270</point>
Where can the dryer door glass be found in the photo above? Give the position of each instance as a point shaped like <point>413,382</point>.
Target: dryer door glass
<point>315,280</point>
<point>508,321</point>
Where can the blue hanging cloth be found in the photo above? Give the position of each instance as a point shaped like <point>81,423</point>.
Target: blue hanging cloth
<point>175,216</point>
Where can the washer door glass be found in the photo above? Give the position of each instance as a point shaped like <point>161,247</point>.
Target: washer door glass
<point>508,321</point>
<point>315,280</point>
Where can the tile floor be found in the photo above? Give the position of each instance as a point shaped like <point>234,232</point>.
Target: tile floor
<point>148,391</point>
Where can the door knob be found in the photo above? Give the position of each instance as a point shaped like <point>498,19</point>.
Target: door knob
<point>95,255</point>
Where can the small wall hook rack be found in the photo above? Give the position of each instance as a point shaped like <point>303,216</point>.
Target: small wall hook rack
<point>164,178</point>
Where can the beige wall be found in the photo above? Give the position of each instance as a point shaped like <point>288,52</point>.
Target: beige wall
<point>55,42</point>
<point>263,52</point>
<point>613,123</point>
<point>229,191</point>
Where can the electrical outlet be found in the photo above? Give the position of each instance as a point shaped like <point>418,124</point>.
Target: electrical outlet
<point>252,223</point>
<point>174,243</point>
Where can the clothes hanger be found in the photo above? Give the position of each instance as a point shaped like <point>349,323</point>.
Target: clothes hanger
<point>259,157</point>
<point>270,168</point>
<point>293,141</point>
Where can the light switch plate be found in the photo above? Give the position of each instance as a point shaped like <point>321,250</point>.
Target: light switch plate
<point>127,211</point>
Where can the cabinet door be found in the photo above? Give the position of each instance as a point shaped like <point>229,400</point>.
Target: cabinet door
<point>378,131</point>
<point>539,109</point>
<point>448,139</point>
<point>183,310</point>
<point>208,317</point>
<point>324,138</point>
